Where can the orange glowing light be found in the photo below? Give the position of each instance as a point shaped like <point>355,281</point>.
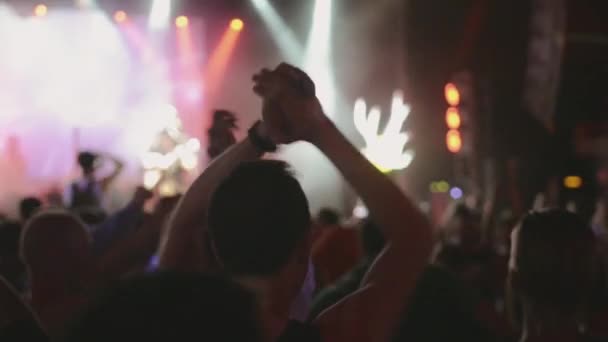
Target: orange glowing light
<point>452,118</point>
<point>453,141</point>
<point>237,24</point>
<point>40,10</point>
<point>452,95</point>
<point>120,16</point>
<point>181,21</point>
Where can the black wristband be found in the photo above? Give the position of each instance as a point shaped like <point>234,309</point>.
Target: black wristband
<point>261,143</point>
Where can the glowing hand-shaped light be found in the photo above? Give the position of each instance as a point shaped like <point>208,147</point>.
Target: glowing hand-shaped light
<point>385,150</point>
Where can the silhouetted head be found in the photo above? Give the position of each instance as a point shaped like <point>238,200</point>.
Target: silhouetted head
<point>28,207</point>
<point>259,223</point>
<point>86,160</point>
<point>372,238</point>
<point>328,216</point>
<point>170,307</point>
<point>551,267</point>
<point>56,244</point>
<point>224,117</point>
<point>463,227</point>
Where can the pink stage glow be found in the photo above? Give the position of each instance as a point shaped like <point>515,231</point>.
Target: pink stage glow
<point>77,80</point>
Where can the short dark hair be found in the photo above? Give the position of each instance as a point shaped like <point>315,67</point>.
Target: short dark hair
<point>86,160</point>
<point>554,260</point>
<point>257,216</point>
<point>167,307</point>
<point>28,207</point>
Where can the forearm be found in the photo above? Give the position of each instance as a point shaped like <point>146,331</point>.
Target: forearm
<point>397,217</point>
<point>190,214</point>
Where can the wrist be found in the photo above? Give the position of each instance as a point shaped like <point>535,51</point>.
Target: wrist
<point>323,130</point>
<point>260,139</point>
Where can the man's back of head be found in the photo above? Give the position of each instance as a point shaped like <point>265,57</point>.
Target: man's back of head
<point>55,242</point>
<point>28,207</point>
<point>258,217</point>
<point>551,266</point>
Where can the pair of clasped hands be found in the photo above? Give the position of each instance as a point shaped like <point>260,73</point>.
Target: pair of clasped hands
<point>290,110</point>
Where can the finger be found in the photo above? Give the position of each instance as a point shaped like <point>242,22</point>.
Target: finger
<point>262,74</point>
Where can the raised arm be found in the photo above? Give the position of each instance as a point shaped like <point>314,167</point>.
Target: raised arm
<point>118,167</point>
<point>374,312</point>
<point>184,248</point>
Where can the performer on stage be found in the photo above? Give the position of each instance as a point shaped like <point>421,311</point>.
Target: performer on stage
<point>85,195</point>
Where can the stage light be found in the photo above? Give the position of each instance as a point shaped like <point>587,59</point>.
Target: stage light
<point>318,55</point>
<point>236,24</point>
<point>452,95</point>
<point>573,182</point>
<point>453,141</point>
<point>385,150</point>
<point>283,35</point>
<point>181,21</point>
<point>452,118</point>
<point>456,193</point>
<point>120,16</point>
<point>159,14</point>
<point>40,10</point>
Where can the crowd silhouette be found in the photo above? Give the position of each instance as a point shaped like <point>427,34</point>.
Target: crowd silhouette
<point>238,256</point>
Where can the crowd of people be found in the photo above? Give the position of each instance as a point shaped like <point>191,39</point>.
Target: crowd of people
<point>238,256</point>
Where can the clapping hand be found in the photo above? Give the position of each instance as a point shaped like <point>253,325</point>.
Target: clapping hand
<point>290,110</point>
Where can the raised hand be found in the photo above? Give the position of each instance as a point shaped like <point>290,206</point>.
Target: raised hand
<point>291,110</point>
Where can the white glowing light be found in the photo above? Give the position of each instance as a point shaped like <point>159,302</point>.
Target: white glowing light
<point>193,145</point>
<point>151,178</point>
<point>152,160</point>
<point>360,211</point>
<point>160,15</point>
<point>280,32</point>
<point>386,149</point>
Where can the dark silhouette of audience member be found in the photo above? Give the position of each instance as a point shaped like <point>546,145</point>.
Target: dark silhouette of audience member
<point>56,250</point>
<point>170,307</point>
<point>440,309</point>
<point>259,223</point>
<point>551,273</point>
<point>86,194</point>
<point>17,321</point>
<point>335,249</point>
<point>28,207</point>
<point>11,267</point>
<point>372,243</point>
<point>221,132</point>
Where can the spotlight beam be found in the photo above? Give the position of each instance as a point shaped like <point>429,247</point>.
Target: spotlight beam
<point>283,36</point>
<point>159,15</point>
<point>318,55</point>
<point>216,66</point>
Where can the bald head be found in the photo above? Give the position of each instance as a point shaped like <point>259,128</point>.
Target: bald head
<point>55,241</point>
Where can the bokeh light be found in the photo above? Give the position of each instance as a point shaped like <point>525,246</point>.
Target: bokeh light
<point>453,141</point>
<point>452,95</point>
<point>452,118</point>
<point>237,24</point>
<point>40,10</point>
<point>182,21</point>
<point>573,182</point>
<point>456,193</point>
<point>120,16</point>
